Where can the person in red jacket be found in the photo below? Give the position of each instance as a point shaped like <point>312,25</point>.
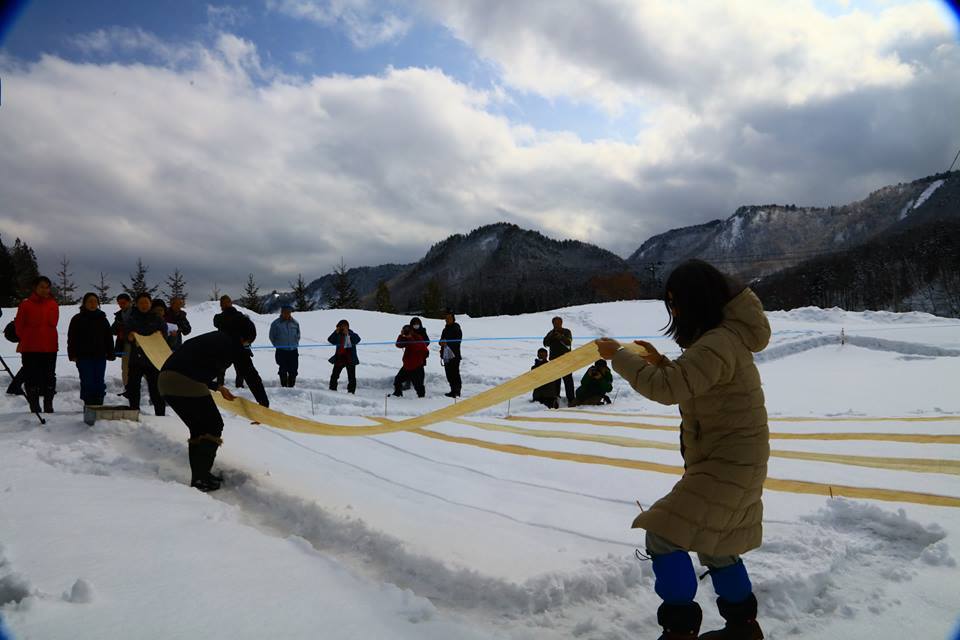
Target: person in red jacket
<point>415,352</point>
<point>36,325</point>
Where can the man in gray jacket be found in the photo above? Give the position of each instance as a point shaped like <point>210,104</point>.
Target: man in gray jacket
<point>285,337</point>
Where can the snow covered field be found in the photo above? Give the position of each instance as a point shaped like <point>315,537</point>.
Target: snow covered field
<point>410,536</point>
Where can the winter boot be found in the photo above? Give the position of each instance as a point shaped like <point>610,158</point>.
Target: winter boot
<point>741,620</point>
<point>48,403</point>
<point>680,621</point>
<point>291,380</point>
<point>202,452</point>
<point>33,398</point>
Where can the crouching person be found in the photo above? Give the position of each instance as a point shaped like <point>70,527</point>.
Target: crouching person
<point>716,508</point>
<point>188,377</point>
<point>90,345</point>
<point>597,382</point>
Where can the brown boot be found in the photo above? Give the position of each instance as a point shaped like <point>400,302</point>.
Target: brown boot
<point>741,620</point>
<point>680,621</point>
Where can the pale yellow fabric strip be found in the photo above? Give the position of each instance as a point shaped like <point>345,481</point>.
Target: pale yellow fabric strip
<point>920,465</point>
<point>921,438</point>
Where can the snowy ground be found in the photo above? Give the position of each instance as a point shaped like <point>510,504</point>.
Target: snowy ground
<point>407,536</point>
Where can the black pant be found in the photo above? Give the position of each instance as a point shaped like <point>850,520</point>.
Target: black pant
<point>139,368</point>
<point>199,414</point>
<point>287,361</point>
<point>452,369</point>
<point>568,387</point>
<point>351,376</point>
<point>415,377</point>
<point>40,373</point>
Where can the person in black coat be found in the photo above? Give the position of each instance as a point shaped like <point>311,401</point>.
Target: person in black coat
<point>144,321</point>
<point>228,314</point>
<point>119,328</point>
<point>176,315</point>
<point>560,341</point>
<point>450,341</point>
<point>90,345</point>
<point>191,373</point>
<point>345,356</point>
<point>546,394</point>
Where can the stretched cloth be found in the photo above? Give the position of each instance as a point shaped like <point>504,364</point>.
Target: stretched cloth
<point>157,350</point>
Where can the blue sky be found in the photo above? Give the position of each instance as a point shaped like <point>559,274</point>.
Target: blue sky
<point>603,120</point>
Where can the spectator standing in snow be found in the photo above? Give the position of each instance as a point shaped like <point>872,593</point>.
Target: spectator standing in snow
<point>560,341</point>
<point>345,356</point>
<point>547,394</point>
<point>144,321</point>
<point>597,382</point>
<point>415,353</point>
<point>285,337</point>
<point>420,330</point>
<point>228,314</point>
<point>177,316</point>
<point>715,509</point>
<point>36,325</point>
<point>189,375</point>
<point>119,328</point>
<point>16,384</point>
<point>450,340</point>
<point>90,345</point>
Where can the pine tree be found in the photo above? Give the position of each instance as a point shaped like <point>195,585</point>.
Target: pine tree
<point>24,267</point>
<point>384,303</point>
<point>433,300</point>
<point>251,296</point>
<point>102,289</point>
<point>138,282</point>
<point>345,296</point>
<point>300,300</point>
<point>176,286</point>
<point>8,278</point>
<point>64,288</point>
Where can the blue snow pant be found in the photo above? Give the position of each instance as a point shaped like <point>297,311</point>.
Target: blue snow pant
<point>676,581</point>
<point>92,386</point>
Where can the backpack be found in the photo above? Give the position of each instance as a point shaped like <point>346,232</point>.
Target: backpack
<point>10,332</point>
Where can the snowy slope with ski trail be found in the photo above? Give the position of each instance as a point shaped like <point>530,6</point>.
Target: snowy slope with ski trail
<point>408,535</point>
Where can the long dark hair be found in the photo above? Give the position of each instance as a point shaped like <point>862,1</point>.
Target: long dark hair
<point>698,292</point>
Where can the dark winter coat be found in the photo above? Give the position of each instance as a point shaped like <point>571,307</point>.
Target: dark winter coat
<point>36,325</point>
<point>415,351</point>
<point>336,339</point>
<point>145,324</point>
<point>119,327</point>
<point>546,392</point>
<point>178,318</point>
<point>206,358</point>
<point>223,318</point>
<point>591,387</point>
<point>89,336</point>
<point>451,336</point>
<point>558,342</point>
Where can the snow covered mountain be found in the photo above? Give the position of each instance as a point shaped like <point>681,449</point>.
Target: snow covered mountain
<point>759,240</point>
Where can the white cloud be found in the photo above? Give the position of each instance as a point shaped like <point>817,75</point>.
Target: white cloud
<point>366,23</point>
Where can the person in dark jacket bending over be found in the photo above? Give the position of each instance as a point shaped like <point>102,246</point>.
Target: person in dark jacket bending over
<point>144,321</point>
<point>228,313</point>
<point>596,383</point>
<point>285,338</point>
<point>90,345</point>
<point>560,341</point>
<point>345,357</point>
<point>190,374</point>
<point>450,341</point>
<point>176,315</point>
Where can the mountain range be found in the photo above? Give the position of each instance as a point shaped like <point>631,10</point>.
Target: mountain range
<point>503,269</point>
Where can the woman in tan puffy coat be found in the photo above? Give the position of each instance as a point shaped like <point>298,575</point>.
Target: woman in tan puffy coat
<point>715,509</point>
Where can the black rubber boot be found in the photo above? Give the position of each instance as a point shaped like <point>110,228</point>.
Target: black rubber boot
<point>48,403</point>
<point>202,453</point>
<point>33,398</point>
<point>291,380</point>
<point>741,620</point>
<point>680,621</point>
